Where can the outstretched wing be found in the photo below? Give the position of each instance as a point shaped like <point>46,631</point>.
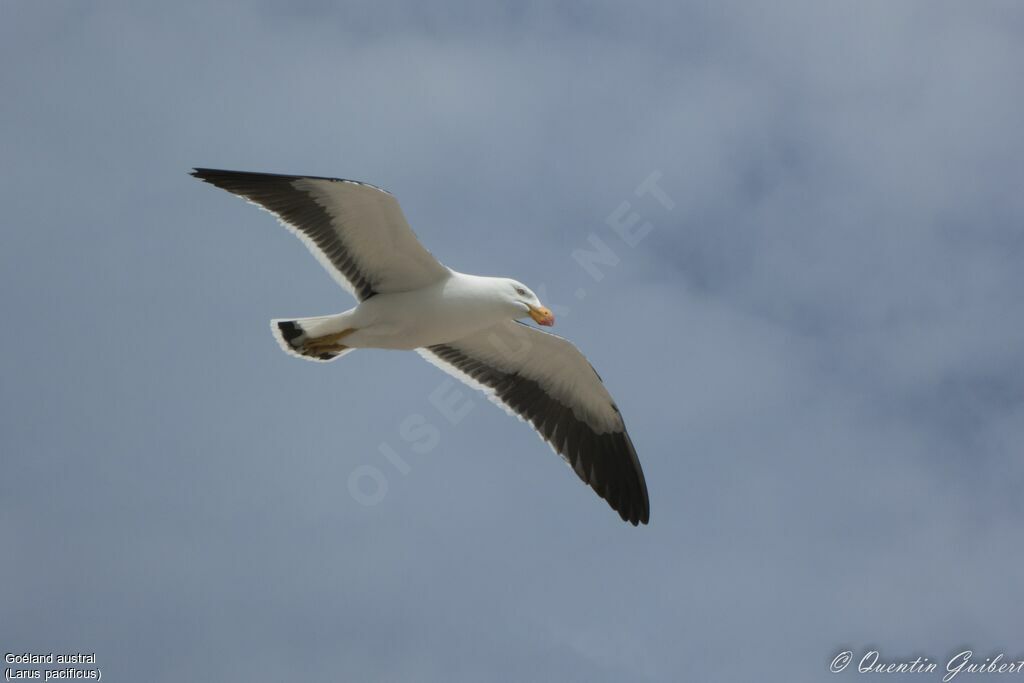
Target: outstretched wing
<point>544,380</point>
<point>356,231</point>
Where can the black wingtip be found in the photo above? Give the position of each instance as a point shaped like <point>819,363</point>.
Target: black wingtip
<point>207,175</point>
<point>211,175</point>
<point>637,517</point>
<point>246,184</point>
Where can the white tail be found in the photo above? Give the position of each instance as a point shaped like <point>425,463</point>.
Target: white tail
<point>294,337</point>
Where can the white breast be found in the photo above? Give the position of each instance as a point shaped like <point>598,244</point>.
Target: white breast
<point>438,314</point>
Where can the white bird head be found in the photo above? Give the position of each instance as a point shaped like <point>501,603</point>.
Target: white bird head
<point>526,302</point>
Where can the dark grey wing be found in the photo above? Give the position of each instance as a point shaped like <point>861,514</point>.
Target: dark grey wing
<point>357,231</point>
<point>543,379</point>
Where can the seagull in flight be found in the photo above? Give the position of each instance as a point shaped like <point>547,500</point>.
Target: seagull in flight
<point>467,325</point>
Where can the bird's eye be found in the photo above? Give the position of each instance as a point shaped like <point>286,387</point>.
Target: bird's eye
<point>520,291</point>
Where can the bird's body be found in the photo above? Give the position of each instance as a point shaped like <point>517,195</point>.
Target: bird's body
<point>454,307</point>
<point>465,324</point>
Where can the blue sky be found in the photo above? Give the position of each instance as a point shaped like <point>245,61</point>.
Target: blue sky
<point>819,349</point>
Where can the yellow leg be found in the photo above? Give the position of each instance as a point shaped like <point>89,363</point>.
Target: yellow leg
<point>328,343</point>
